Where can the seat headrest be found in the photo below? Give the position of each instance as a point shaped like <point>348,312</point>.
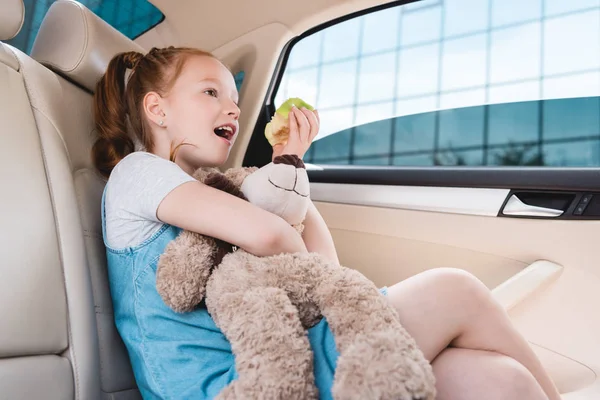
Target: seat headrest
<point>74,42</point>
<point>12,14</point>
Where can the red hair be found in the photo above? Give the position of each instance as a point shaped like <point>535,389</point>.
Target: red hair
<point>117,103</point>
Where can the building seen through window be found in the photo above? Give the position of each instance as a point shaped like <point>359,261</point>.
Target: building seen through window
<point>455,82</point>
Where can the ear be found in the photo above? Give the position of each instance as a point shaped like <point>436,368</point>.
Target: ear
<point>153,108</point>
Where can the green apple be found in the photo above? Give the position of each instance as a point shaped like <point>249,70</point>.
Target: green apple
<point>277,131</point>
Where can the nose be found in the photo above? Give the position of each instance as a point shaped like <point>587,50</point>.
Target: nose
<point>233,110</point>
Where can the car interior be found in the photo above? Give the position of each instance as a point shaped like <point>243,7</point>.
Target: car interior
<point>525,229</point>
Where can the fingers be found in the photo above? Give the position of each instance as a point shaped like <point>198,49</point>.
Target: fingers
<point>303,124</point>
<point>293,126</point>
<point>314,123</point>
<point>304,127</point>
<point>309,131</point>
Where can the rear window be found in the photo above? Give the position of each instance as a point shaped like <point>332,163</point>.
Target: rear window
<point>130,17</point>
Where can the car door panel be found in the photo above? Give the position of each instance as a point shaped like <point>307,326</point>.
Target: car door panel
<point>392,238</point>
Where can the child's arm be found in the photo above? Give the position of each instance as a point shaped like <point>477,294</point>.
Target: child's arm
<point>196,207</point>
<point>317,236</point>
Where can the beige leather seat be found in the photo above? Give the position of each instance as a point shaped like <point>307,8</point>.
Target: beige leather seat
<point>57,336</point>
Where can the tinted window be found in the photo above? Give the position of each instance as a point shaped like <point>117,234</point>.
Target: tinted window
<point>130,17</point>
<point>455,82</point>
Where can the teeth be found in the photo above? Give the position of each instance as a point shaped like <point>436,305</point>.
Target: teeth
<point>226,128</point>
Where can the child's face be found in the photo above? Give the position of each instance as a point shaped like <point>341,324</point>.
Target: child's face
<point>203,99</point>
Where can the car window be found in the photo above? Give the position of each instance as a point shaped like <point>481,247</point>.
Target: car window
<point>239,79</point>
<point>454,82</point>
<point>130,17</point>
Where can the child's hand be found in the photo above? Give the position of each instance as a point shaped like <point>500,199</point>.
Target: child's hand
<point>304,126</point>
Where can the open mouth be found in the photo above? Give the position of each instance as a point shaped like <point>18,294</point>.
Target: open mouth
<point>226,132</point>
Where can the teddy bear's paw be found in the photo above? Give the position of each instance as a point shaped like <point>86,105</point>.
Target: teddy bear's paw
<point>264,388</point>
<point>383,365</point>
<point>281,189</point>
<point>290,178</point>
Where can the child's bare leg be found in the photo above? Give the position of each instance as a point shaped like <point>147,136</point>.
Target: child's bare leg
<point>463,374</point>
<point>449,307</point>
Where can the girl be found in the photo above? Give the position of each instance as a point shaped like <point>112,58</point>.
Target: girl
<point>174,102</point>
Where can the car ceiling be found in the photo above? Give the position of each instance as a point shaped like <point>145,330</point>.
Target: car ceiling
<point>211,24</point>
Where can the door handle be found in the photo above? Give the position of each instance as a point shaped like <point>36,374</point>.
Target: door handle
<point>514,206</point>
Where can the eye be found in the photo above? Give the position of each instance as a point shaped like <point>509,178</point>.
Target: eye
<point>211,92</point>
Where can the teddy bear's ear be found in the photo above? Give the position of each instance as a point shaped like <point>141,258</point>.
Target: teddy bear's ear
<point>237,175</point>
<point>202,173</point>
<point>221,182</point>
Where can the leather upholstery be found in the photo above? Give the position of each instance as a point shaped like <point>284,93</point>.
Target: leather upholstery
<point>43,312</point>
<point>7,58</point>
<point>33,310</point>
<point>81,49</point>
<point>12,14</point>
<point>41,377</point>
<point>58,339</point>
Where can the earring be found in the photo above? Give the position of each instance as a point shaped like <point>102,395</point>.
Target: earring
<point>161,122</point>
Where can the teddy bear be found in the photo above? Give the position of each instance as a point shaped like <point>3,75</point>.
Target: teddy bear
<point>264,305</point>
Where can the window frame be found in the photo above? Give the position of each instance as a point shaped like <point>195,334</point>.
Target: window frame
<point>550,178</point>
<point>258,152</point>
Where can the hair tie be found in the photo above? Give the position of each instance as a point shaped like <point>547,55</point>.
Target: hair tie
<point>132,59</point>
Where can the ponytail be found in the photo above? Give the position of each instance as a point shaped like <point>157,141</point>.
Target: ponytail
<point>111,114</point>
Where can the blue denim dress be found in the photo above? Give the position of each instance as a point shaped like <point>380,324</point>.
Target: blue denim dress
<point>181,355</point>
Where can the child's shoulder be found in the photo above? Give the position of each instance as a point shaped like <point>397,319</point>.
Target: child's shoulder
<point>139,164</point>
<point>138,158</point>
<point>145,174</point>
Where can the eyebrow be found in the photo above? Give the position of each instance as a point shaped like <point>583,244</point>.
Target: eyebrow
<point>210,80</point>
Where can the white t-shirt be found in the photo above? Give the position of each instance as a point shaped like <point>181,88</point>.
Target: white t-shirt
<point>136,187</point>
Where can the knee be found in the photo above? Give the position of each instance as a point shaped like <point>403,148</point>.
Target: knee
<point>459,288</point>
<point>459,282</point>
